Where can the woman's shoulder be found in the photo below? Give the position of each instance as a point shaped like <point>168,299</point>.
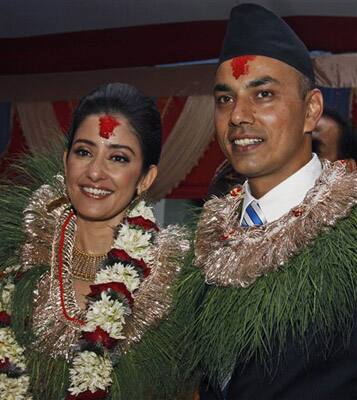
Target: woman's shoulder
<point>28,186</point>
<point>40,216</point>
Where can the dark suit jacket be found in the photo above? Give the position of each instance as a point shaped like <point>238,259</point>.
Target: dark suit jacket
<point>299,375</point>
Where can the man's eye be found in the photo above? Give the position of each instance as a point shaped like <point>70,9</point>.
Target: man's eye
<point>264,94</point>
<point>224,99</point>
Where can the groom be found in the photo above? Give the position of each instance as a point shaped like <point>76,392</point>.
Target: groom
<point>277,256</point>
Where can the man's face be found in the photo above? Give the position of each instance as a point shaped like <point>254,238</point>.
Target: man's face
<point>327,137</point>
<point>261,118</point>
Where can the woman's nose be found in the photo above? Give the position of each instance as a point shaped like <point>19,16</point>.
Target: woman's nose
<point>96,169</point>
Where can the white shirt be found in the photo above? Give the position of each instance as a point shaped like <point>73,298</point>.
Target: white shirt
<point>288,194</point>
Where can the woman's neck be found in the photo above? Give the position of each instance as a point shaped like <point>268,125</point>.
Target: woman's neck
<point>94,237</point>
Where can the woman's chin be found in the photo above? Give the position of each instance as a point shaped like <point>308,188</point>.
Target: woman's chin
<point>95,216</point>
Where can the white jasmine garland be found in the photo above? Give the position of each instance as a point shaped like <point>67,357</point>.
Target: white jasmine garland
<point>90,372</point>
<point>119,272</point>
<point>135,242</point>
<point>108,314</point>
<point>9,348</point>
<point>6,297</point>
<point>142,210</point>
<point>12,269</point>
<point>14,388</point>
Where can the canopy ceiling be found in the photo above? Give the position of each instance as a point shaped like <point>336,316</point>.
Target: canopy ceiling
<point>19,18</point>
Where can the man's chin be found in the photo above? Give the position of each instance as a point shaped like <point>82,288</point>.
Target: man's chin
<point>245,170</point>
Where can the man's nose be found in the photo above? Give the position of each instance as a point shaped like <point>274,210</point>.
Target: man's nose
<point>242,113</point>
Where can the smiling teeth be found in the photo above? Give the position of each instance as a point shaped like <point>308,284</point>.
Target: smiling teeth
<point>247,142</point>
<point>96,192</point>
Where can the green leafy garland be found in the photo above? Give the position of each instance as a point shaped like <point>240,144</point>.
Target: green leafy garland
<point>316,290</point>
<point>148,370</point>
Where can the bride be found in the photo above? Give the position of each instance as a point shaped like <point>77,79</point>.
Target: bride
<point>86,273</point>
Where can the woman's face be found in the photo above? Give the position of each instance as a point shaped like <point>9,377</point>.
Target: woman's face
<point>104,171</point>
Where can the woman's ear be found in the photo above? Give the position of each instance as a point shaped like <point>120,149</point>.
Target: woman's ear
<point>148,179</point>
<point>315,106</point>
<point>64,159</point>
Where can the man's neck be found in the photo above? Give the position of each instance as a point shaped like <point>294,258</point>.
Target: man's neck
<point>288,194</point>
<point>261,185</point>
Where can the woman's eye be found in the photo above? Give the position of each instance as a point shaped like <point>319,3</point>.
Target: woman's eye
<point>119,158</point>
<point>82,152</point>
<point>264,94</point>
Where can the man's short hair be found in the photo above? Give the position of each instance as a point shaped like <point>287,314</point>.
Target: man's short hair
<point>306,84</point>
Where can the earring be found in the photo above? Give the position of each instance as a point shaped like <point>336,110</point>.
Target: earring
<point>135,201</point>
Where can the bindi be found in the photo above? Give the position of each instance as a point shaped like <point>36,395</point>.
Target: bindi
<point>107,124</point>
<point>240,65</point>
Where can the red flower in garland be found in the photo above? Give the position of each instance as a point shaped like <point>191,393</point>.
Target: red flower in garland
<point>88,395</point>
<point>118,287</point>
<point>100,336</point>
<point>142,264</point>
<point>118,292</point>
<point>146,224</point>
<point>298,211</point>
<point>235,191</point>
<point>5,318</point>
<point>122,255</point>
<point>4,365</point>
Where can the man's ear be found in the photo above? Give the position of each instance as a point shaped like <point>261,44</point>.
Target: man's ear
<point>315,106</point>
<point>148,179</point>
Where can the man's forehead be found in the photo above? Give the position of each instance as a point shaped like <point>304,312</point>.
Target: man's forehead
<point>257,71</point>
<point>221,86</point>
<point>254,62</point>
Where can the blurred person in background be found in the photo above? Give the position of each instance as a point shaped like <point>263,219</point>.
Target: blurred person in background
<point>334,139</point>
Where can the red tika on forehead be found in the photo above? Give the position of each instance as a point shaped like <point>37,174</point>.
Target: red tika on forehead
<point>107,124</point>
<point>240,65</point>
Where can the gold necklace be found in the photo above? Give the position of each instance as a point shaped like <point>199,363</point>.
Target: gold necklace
<point>85,265</point>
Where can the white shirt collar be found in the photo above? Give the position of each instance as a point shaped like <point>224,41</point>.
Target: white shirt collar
<point>288,194</point>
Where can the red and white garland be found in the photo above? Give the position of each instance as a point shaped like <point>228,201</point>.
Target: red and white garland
<point>14,382</point>
<point>109,303</point>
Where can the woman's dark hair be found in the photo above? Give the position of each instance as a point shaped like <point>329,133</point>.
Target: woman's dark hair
<point>347,146</point>
<point>138,109</point>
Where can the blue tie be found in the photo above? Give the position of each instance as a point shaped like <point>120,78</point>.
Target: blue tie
<point>253,215</point>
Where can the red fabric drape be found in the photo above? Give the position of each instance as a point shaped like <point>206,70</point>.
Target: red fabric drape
<point>194,186</point>
<point>154,44</point>
<point>64,111</point>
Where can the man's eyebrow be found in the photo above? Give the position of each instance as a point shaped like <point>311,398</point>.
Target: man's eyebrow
<point>222,87</point>
<point>261,81</point>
